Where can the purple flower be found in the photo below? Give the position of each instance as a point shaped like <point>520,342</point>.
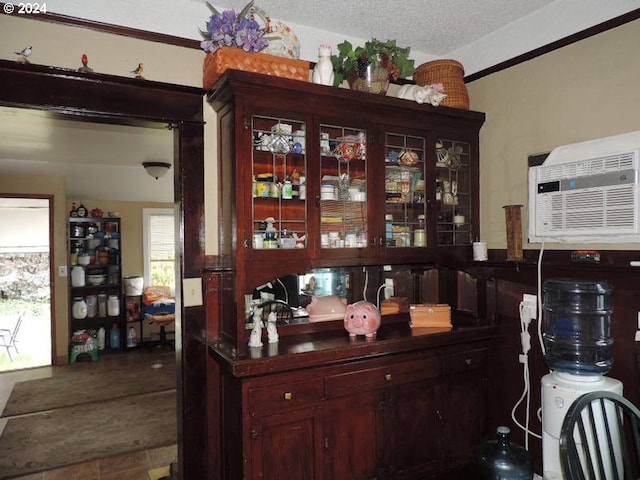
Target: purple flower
<point>228,29</point>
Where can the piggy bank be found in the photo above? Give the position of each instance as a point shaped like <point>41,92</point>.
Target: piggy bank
<point>362,318</point>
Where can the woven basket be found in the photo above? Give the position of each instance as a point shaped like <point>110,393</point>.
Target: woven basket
<point>215,64</point>
<point>451,74</point>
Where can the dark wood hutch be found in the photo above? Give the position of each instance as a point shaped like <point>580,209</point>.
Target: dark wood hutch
<point>318,404</point>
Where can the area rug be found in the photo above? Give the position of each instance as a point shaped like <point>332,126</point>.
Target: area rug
<point>65,436</point>
<point>103,380</point>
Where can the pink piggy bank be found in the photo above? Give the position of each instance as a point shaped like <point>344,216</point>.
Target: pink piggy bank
<point>362,318</point>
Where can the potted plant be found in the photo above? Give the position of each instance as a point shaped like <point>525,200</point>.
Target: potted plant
<point>370,67</point>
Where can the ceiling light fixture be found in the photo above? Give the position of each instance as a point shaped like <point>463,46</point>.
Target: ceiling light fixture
<point>156,169</point>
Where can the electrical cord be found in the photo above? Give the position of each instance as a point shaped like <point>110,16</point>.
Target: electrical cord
<point>525,340</point>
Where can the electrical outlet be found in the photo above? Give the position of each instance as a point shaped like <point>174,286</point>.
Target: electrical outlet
<point>530,306</point>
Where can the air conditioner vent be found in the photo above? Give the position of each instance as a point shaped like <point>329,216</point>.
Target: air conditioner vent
<point>587,192</point>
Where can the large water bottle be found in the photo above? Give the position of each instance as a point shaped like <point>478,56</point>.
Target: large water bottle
<point>502,460</point>
<point>577,318</point>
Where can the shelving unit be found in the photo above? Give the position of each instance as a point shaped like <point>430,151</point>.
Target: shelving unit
<point>94,246</point>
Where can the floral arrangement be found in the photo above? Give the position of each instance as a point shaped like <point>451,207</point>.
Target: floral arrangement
<point>385,54</point>
<point>228,29</point>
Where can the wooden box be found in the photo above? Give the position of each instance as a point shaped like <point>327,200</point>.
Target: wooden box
<point>430,315</point>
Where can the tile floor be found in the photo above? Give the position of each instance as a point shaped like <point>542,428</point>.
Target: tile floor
<point>132,466</point>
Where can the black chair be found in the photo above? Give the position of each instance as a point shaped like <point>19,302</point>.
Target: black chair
<point>600,438</point>
<point>8,337</point>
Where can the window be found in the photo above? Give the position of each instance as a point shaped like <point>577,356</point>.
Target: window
<point>159,246</point>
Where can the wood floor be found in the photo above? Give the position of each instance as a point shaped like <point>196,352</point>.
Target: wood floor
<point>132,466</point>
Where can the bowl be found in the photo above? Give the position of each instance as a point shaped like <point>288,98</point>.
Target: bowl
<point>113,214</point>
<point>97,279</point>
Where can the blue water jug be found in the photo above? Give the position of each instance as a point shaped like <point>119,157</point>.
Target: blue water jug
<point>577,319</point>
<point>114,336</point>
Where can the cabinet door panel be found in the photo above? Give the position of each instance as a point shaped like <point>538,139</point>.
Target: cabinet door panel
<point>465,417</point>
<point>287,446</point>
<point>405,196</point>
<point>351,430</point>
<point>343,184</point>
<point>413,430</point>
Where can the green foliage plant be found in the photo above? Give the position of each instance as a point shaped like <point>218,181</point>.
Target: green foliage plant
<point>387,54</point>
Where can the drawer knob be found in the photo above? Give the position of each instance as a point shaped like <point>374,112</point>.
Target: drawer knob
<point>387,377</point>
<point>288,395</point>
<point>468,361</point>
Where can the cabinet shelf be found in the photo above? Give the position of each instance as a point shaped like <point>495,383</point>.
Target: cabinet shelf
<point>97,241</point>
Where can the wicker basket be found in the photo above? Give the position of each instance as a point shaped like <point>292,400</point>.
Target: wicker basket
<point>451,74</point>
<point>215,64</point>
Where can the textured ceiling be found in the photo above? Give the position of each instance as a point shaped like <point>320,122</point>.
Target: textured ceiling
<point>433,26</point>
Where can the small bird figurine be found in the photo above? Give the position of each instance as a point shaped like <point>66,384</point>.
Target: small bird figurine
<point>85,62</point>
<point>138,71</point>
<point>23,54</point>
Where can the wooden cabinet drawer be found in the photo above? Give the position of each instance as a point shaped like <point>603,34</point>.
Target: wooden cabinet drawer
<point>381,377</point>
<point>465,361</point>
<point>287,396</point>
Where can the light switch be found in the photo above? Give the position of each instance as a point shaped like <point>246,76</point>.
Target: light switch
<point>62,270</point>
<point>192,292</point>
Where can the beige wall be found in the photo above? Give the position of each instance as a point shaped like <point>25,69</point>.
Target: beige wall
<point>583,91</point>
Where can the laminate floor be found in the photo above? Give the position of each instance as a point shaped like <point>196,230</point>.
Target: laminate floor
<point>131,466</point>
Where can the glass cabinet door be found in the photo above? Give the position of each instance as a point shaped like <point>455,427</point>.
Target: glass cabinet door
<point>343,187</point>
<point>405,213</point>
<point>279,165</point>
<point>453,192</point>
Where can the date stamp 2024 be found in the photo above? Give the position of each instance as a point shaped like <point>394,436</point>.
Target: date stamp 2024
<point>24,8</point>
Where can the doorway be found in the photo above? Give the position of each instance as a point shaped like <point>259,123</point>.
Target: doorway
<point>25,282</point>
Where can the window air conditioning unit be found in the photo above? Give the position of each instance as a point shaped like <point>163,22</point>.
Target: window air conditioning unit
<point>587,192</point>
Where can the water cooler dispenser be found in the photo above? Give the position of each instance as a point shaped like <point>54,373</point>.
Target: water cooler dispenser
<point>578,351</point>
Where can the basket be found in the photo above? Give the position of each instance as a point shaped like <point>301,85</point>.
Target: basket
<point>283,42</point>
<point>451,74</point>
<point>218,62</point>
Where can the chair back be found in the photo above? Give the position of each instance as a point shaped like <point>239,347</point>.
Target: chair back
<point>600,438</point>
<point>14,334</point>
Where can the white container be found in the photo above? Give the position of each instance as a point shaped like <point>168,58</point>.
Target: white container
<point>132,338</point>
<point>101,339</point>
<point>480,251</point>
<point>77,277</point>
<point>133,285</point>
<point>113,306</point>
<point>79,308</point>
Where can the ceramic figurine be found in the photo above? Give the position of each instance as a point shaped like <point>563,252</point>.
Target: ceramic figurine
<point>362,318</point>
<point>323,71</point>
<point>138,71</point>
<point>85,67</point>
<point>272,330</point>
<point>255,338</point>
<point>299,240</point>
<point>23,54</point>
<point>432,94</point>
